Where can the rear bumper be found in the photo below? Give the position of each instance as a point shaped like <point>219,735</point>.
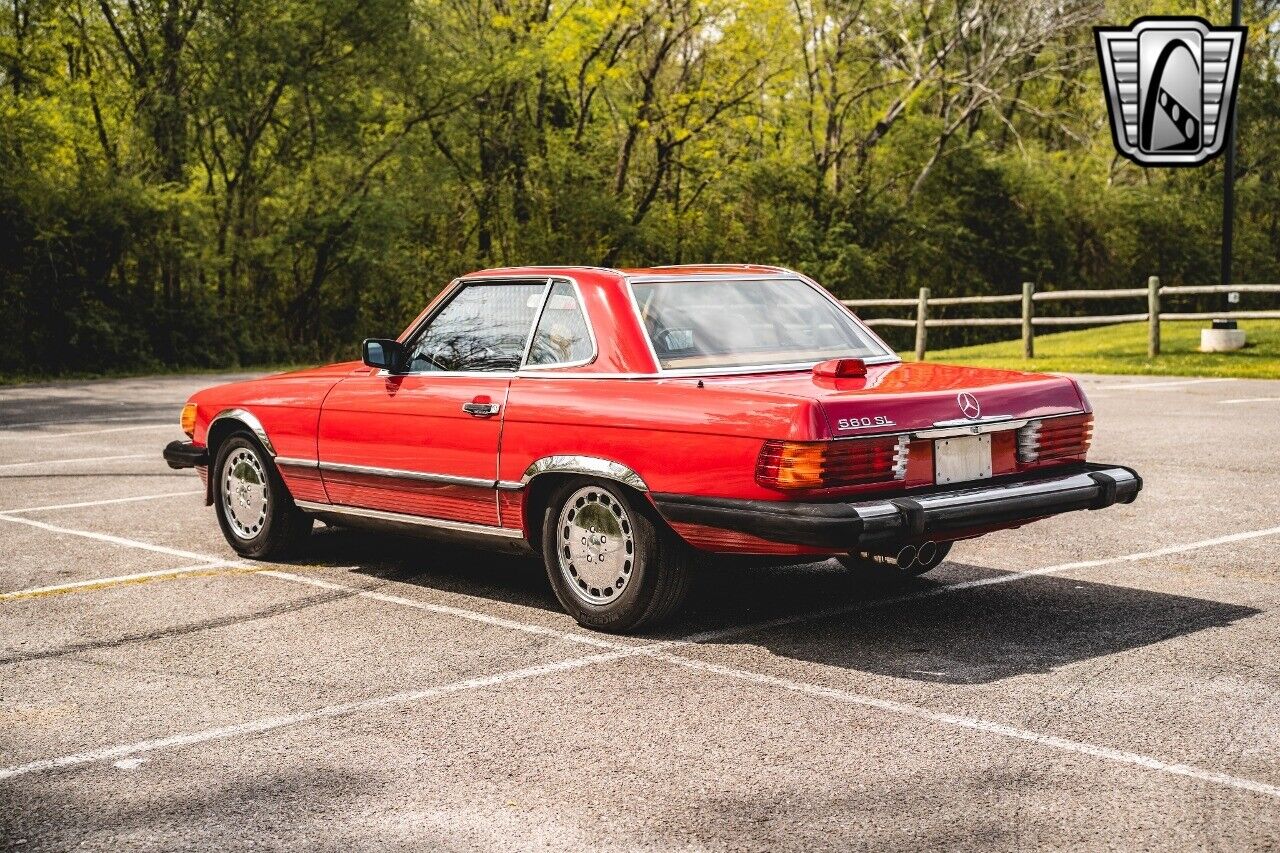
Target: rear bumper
<point>185,454</point>
<point>868,524</point>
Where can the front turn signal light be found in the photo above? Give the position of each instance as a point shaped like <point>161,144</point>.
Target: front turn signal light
<point>188,419</point>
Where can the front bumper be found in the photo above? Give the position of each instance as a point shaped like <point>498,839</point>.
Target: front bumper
<point>927,515</point>
<point>185,454</point>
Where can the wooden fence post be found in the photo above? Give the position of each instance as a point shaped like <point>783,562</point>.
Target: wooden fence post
<point>1028,329</point>
<point>922,316</point>
<point>1153,316</point>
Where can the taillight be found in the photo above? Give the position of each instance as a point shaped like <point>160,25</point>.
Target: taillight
<point>831,464</point>
<point>1055,438</point>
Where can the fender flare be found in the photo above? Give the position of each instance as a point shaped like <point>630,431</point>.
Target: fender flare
<point>591,466</point>
<point>244,418</point>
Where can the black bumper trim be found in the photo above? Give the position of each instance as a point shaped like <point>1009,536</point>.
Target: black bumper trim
<point>887,521</point>
<point>185,454</point>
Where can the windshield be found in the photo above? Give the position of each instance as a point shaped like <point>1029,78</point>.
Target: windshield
<point>728,323</point>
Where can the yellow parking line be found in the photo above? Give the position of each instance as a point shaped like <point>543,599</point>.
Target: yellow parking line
<point>200,570</point>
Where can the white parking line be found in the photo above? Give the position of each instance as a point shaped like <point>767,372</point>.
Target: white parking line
<point>267,724</point>
<point>1251,400</point>
<point>657,651</point>
<point>813,615</point>
<point>37,436</point>
<point>457,612</point>
<point>1121,386</point>
<point>65,420</point>
<point>1011,577</point>
<point>79,459</point>
<point>103,502</point>
<point>661,651</point>
<point>114,540</point>
<point>974,723</point>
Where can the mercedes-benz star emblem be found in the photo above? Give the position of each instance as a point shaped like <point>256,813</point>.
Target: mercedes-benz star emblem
<point>969,405</point>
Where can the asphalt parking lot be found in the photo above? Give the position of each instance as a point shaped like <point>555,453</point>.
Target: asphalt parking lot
<point>1098,681</point>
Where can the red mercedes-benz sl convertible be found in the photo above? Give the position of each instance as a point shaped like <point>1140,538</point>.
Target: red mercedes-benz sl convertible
<point>621,421</point>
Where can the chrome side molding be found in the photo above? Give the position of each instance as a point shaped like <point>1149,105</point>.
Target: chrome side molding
<point>402,474</point>
<point>418,520</point>
<point>293,462</point>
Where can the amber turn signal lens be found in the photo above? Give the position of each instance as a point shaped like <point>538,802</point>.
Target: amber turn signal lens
<point>832,464</point>
<point>188,419</point>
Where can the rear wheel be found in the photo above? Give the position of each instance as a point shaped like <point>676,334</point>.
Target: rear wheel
<point>255,511</point>
<point>888,568</point>
<point>612,567</point>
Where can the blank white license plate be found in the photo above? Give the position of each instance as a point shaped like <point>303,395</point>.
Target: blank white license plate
<point>956,460</point>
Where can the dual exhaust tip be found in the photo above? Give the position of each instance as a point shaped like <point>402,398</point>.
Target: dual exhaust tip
<point>908,557</point>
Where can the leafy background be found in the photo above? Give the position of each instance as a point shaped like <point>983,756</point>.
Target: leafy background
<point>214,183</point>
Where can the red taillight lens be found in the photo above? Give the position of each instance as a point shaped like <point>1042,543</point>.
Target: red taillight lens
<point>1053,439</point>
<point>831,464</point>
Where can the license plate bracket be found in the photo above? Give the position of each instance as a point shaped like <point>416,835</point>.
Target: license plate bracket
<point>958,460</point>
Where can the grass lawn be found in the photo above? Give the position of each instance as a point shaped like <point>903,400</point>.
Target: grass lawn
<point>1122,348</point>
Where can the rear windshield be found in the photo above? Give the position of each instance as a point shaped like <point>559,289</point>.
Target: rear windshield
<point>728,323</point>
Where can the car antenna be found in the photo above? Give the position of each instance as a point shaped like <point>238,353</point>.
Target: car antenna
<point>700,385</point>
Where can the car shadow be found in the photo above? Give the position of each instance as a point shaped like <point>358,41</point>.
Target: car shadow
<point>981,634</point>
<point>393,559</point>
<point>911,629</point>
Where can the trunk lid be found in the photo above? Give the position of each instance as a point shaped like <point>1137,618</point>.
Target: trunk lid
<point>906,397</point>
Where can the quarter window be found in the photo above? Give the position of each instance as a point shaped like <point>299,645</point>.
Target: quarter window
<point>483,328</point>
<point>562,336</point>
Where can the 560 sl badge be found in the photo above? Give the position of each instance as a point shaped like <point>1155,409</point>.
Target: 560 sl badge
<point>863,423</point>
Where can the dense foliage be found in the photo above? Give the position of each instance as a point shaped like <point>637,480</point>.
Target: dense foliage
<point>222,182</point>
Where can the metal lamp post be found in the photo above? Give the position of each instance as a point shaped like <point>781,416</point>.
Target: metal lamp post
<point>1228,202</point>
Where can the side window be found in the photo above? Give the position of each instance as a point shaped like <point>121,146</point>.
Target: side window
<point>562,336</point>
<point>484,327</point>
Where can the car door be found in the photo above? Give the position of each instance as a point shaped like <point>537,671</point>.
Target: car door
<point>426,443</point>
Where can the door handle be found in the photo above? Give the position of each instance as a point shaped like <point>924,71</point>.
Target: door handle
<point>479,409</point>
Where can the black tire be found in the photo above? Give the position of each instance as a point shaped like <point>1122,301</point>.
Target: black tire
<point>882,571</point>
<point>656,577</point>
<point>279,527</point>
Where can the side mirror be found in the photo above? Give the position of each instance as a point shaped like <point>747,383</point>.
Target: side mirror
<point>384,354</point>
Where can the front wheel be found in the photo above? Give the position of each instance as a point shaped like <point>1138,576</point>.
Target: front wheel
<point>255,511</point>
<point>612,567</point>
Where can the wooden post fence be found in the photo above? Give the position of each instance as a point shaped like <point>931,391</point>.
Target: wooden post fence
<point>1153,316</point>
<point>1028,314</point>
<point>922,323</point>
